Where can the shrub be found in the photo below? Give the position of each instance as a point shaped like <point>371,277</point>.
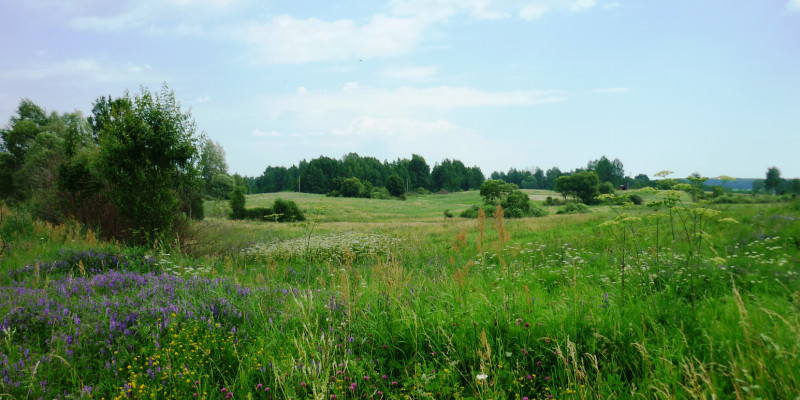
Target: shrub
<point>636,199</point>
<point>574,208</point>
<point>260,214</point>
<point>550,201</point>
<point>287,211</point>
<point>351,187</point>
<point>472,212</point>
<point>606,188</point>
<point>448,214</point>
<point>238,204</point>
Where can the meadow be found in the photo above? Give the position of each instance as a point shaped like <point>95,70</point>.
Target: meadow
<point>389,299</point>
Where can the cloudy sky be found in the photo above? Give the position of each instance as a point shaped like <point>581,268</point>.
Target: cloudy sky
<point>708,86</point>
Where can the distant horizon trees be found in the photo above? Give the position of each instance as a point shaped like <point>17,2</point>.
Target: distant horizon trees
<point>326,175</point>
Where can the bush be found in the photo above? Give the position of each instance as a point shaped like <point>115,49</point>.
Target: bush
<point>472,212</point>
<point>448,214</point>
<point>537,212</point>
<point>238,204</point>
<point>574,208</point>
<point>606,188</point>
<point>551,201</point>
<point>636,199</point>
<point>260,214</point>
<point>351,187</point>
<point>287,211</point>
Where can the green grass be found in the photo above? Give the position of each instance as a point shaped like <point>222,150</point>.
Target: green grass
<point>624,302</point>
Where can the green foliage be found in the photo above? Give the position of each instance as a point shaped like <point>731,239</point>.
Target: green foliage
<point>448,214</point>
<point>395,186</point>
<point>351,187</point>
<point>493,191</point>
<point>773,179</point>
<point>474,210</point>
<point>147,155</point>
<point>608,171</point>
<point>606,188</point>
<point>220,186</point>
<point>287,211</point>
<point>551,201</point>
<point>238,204</point>
<point>516,205</point>
<point>582,185</point>
<point>574,208</point>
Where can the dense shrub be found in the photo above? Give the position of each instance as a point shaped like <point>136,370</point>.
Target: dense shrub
<point>472,212</point>
<point>606,188</point>
<point>551,201</point>
<point>351,187</point>
<point>287,211</point>
<point>574,208</point>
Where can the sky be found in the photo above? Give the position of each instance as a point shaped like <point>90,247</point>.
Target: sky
<point>708,86</point>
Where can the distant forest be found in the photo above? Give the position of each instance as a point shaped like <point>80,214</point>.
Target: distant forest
<point>325,174</point>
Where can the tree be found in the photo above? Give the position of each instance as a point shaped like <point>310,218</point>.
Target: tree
<point>551,176</point>
<point>395,185</point>
<point>517,204</point>
<point>773,179</point>
<point>493,191</point>
<point>212,160</point>
<point>608,171</point>
<point>795,186</point>
<point>351,187</point>
<point>238,204</point>
<point>582,185</point>
<point>419,172</point>
<point>220,186</point>
<point>147,156</point>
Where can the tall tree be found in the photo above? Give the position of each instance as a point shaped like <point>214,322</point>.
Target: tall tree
<point>773,179</point>
<point>147,155</point>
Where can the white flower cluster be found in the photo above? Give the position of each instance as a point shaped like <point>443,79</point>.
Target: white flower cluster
<point>334,247</point>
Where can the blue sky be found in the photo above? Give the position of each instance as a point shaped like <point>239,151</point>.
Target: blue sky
<point>689,86</point>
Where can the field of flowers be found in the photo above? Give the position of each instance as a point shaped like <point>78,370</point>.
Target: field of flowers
<point>685,301</point>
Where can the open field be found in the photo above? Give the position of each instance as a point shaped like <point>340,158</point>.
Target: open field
<point>390,299</point>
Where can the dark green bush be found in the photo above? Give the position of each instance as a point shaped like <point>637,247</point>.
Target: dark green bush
<point>260,214</point>
<point>287,211</point>
<point>448,214</point>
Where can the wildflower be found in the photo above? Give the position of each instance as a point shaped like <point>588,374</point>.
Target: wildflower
<point>303,384</point>
<point>259,386</point>
<point>481,377</point>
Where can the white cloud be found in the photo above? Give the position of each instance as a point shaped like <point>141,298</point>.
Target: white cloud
<point>259,133</point>
<point>793,5</point>
<point>611,5</point>
<point>406,128</point>
<point>438,10</point>
<point>203,99</point>
<point>580,5</point>
<point>84,70</point>
<point>532,11</point>
<point>285,39</point>
<point>536,9</point>
<point>414,73</point>
<point>382,102</point>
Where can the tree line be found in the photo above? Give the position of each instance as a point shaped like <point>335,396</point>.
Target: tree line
<point>327,175</point>
<point>135,169</point>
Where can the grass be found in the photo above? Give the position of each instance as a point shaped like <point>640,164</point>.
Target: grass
<point>694,301</point>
